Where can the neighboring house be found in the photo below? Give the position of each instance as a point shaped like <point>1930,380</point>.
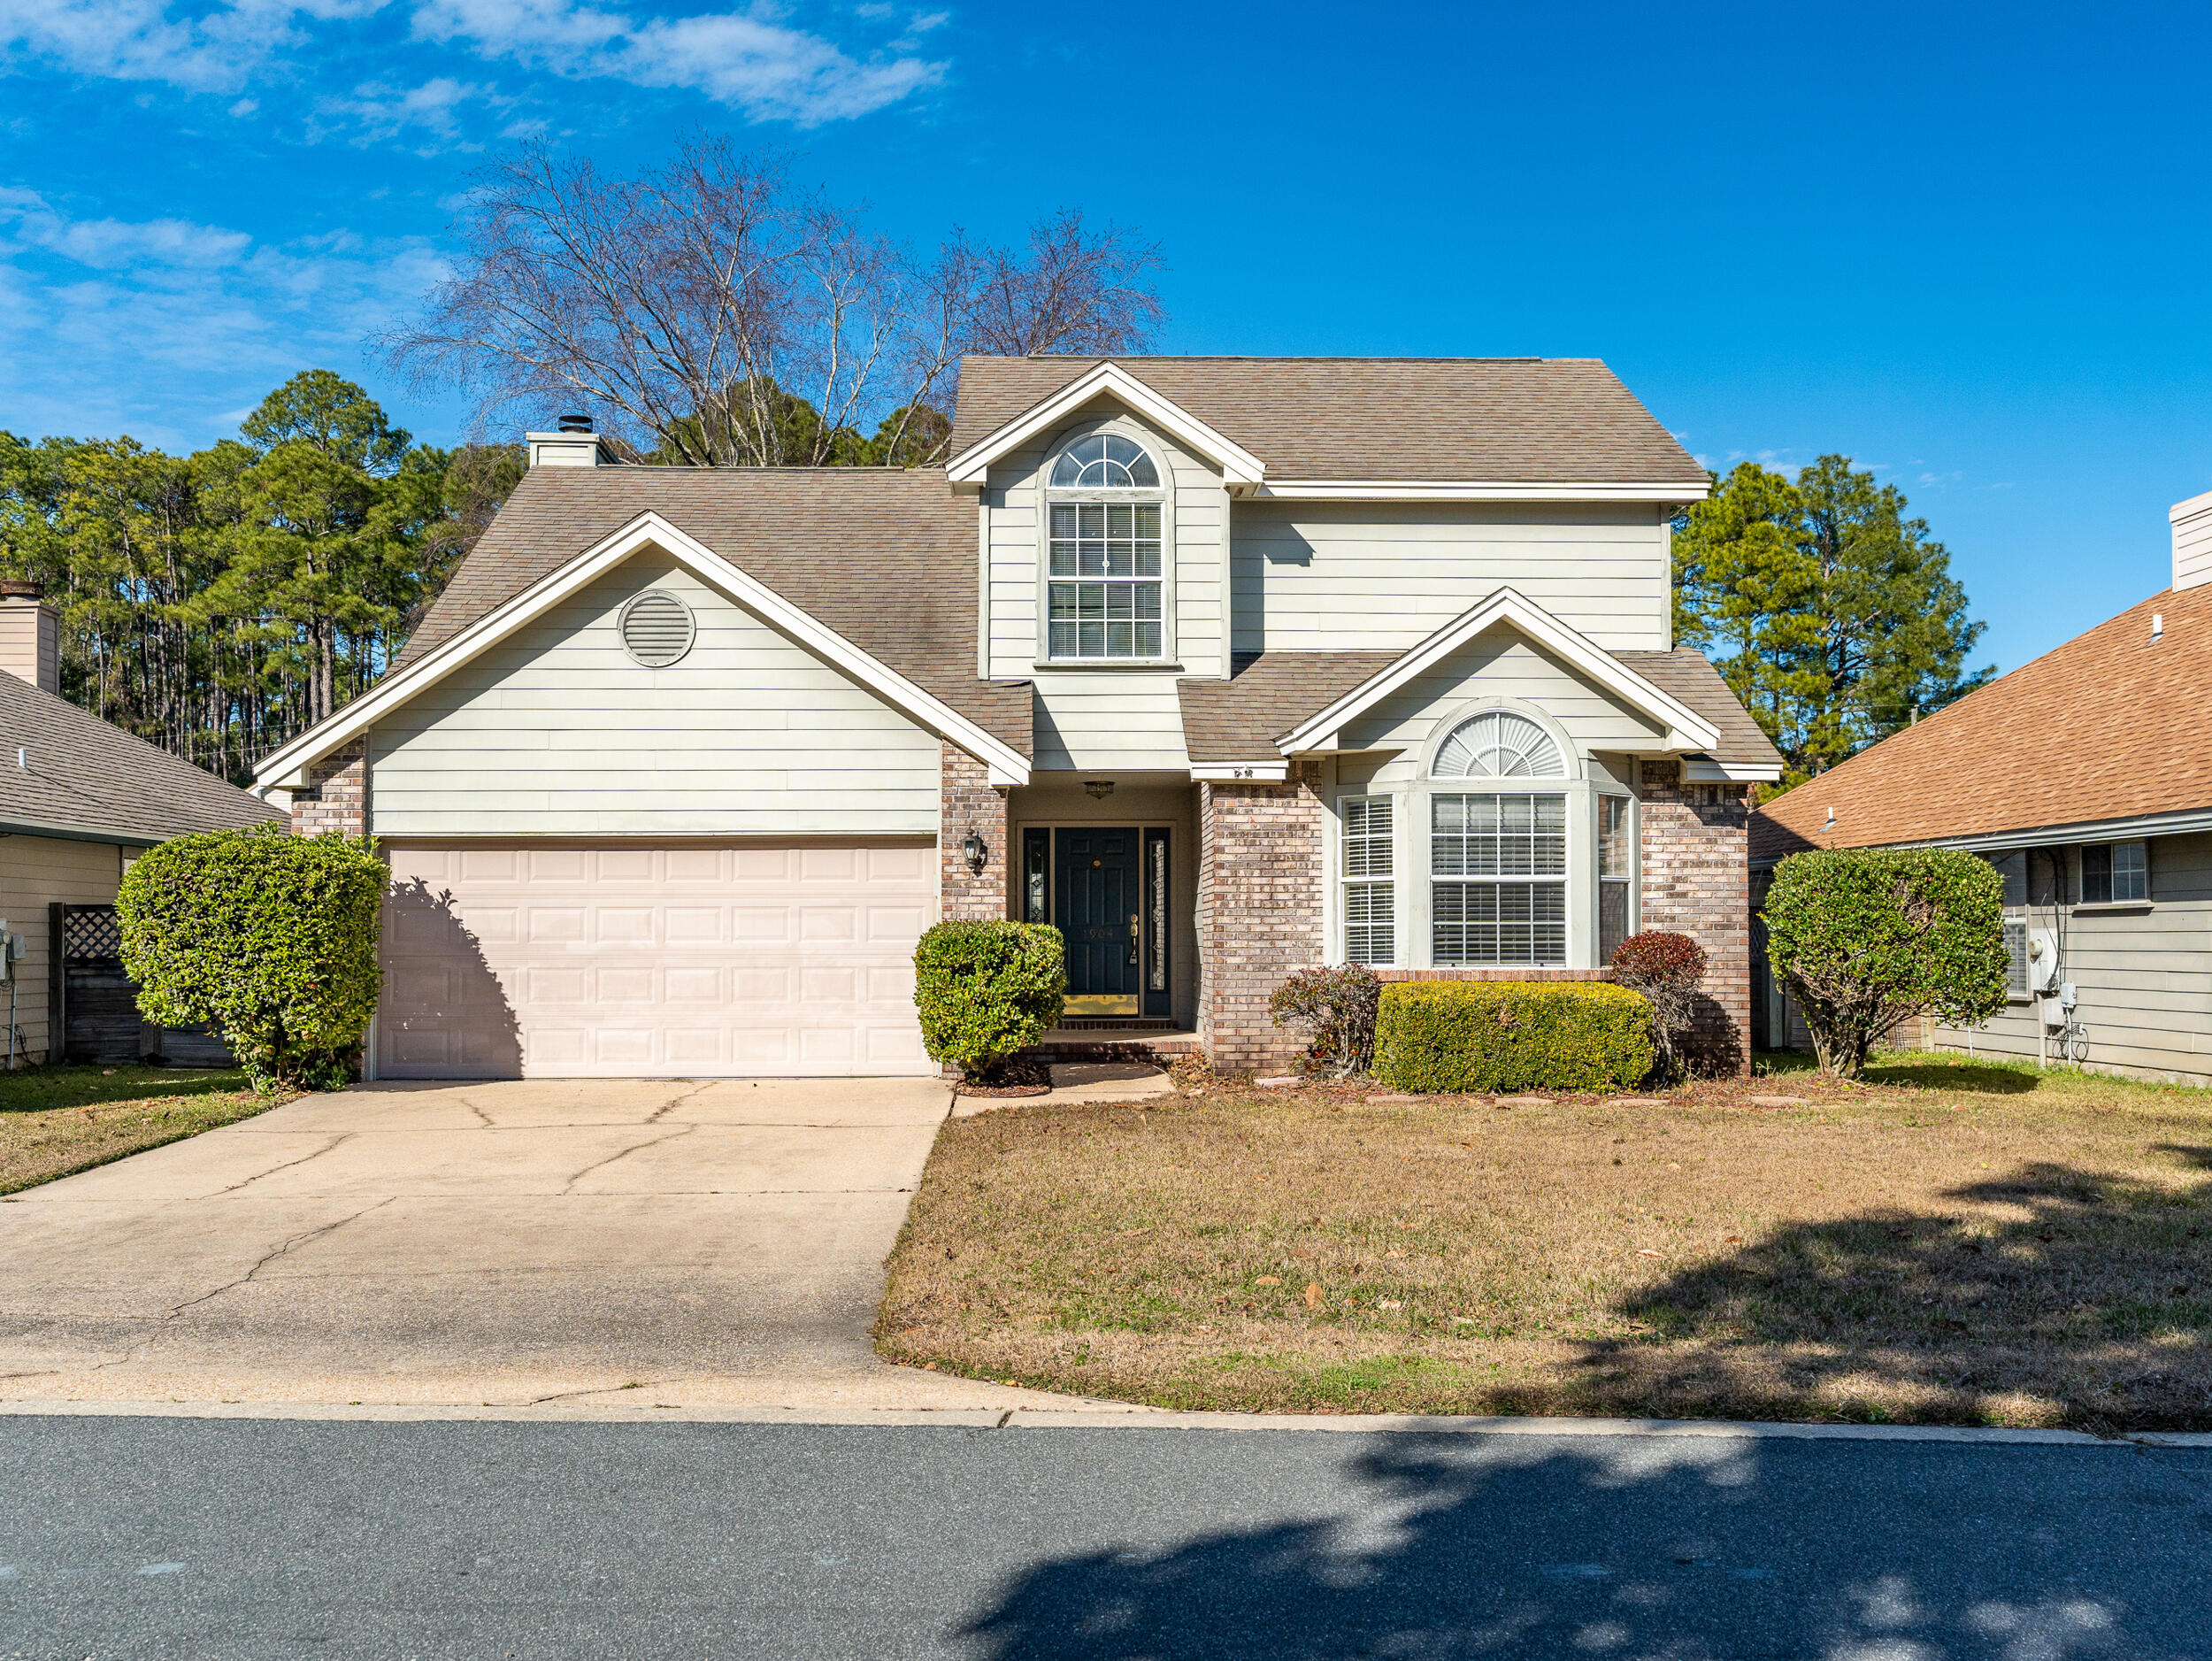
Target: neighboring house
<point>1226,666</point>
<point>79,799</point>
<point>2085,777</point>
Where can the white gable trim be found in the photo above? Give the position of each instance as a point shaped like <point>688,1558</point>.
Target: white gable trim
<point>286,768</point>
<point>1687,730</point>
<point>1238,467</point>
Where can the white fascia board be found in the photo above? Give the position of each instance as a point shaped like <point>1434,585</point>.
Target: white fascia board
<point>2190,508</point>
<point>1469,490</point>
<point>1231,771</point>
<point>2191,822</point>
<point>1239,465</point>
<point>1686,729</point>
<point>649,530</point>
<point>1705,770</point>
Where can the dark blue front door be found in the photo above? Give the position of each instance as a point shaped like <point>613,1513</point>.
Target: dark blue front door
<point>1097,896</point>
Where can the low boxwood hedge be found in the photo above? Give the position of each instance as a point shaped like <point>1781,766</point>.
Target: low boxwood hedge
<point>1470,1035</point>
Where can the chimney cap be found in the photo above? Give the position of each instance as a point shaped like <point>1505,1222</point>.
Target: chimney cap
<point>575,423</point>
<point>19,589</point>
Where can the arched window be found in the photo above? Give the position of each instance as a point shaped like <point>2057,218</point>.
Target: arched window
<point>1104,598</point>
<point>1500,745</point>
<point>1104,462</point>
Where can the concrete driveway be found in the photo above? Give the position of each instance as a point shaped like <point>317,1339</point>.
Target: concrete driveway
<point>487,1244</point>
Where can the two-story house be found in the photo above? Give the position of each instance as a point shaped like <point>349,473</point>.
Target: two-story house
<point>1226,666</point>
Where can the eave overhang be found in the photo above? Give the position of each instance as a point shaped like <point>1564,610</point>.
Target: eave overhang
<point>1240,467</point>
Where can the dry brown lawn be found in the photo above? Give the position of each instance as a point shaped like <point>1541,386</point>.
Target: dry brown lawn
<point>57,1121</point>
<point>1951,1241</point>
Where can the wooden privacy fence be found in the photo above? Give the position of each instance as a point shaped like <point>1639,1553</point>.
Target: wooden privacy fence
<point>93,1005</point>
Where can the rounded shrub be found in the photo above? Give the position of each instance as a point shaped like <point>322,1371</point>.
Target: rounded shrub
<point>1486,1035</point>
<point>1668,969</point>
<point>268,938</point>
<point>1869,938</point>
<point>987,989</point>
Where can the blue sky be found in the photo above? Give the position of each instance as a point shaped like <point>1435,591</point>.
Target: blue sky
<point>1966,245</point>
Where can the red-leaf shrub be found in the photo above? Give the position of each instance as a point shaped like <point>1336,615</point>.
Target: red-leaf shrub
<point>1668,970</point>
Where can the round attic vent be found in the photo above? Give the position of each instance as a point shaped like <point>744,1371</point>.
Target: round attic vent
<point>657,628</point>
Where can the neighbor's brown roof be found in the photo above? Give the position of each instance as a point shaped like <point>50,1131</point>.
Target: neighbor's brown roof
<point>884,557</point>
<point>2106,726</point>
<point>1533,420</point>
<point>84,775</point>
<point>1272,693</point>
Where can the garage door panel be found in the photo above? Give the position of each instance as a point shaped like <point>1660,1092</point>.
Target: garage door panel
<point>686,960</point>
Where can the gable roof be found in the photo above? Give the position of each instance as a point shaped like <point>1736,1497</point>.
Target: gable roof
<point>1272,694</point>
<point>1685,729</point>
<point>1530,420</point>
<point>2111,726</point>
<point>885,558</point>
<point>86,777</point>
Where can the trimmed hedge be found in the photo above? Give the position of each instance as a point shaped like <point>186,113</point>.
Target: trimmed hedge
<point>269,937</point>
<point>1483,1035</point>
<point>986,989</point>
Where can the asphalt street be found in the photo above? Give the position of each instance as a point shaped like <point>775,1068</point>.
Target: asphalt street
<point>220,1538</point>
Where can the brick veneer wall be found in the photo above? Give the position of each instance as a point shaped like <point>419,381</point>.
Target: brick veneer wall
<point>1697,881</point>
<point>968,801</point>
<point>337,793</point>
<point>1259,912</point>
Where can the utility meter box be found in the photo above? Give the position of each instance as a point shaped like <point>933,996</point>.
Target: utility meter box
<point>2042,959</point>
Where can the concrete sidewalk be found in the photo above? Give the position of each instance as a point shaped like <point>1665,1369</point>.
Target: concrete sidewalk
<point>698,1244</point>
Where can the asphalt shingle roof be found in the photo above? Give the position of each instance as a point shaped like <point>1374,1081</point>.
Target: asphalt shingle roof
<point>886,557</point>
<point>1242,719</point>
<point>1533,420</point>
<point>2109,726</point>
<point>82,774</point>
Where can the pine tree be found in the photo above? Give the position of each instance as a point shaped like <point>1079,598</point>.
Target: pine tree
<point>1832,616</point>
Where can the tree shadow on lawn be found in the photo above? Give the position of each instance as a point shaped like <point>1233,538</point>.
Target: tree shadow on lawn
<point>1461,1545</point>
<point>1968,1077</point>
<point>2053,1296</point>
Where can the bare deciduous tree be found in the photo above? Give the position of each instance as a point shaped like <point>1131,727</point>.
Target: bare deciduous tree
<point>713,315</point>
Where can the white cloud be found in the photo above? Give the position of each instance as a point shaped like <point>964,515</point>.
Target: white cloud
<point>767,70</point>
<point>143,325</point>
<point>140,39</point>
<point>380,109</point>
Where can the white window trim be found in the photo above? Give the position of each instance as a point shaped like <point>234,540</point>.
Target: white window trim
<point>1344,881</point>
<point>1046,495</point>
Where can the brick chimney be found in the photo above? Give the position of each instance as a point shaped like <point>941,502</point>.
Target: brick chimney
<point>2192,541</point>
<point>30,636</point>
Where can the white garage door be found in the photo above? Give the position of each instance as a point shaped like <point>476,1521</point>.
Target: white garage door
<point>530,960</point>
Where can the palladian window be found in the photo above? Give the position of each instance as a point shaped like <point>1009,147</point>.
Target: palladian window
<point>1498,858</point>
<point>1104,558</point>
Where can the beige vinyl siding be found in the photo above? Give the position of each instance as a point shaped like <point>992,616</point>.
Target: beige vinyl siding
<point>34,873</point>
<point>1498,665</point>
<point>558,732</point>
<point>2143,980</point>
<point>1090,718</point>
<point>1109,720</point>
<point>1376,576</point>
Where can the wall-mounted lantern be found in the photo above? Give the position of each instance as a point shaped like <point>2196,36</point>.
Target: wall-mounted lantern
<point>1099,788</point>
<point>976,852</point>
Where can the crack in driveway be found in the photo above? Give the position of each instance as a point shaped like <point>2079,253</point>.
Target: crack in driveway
<point>636,1147</point>
<point>677,1100</point>
<point>328,1147</point>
